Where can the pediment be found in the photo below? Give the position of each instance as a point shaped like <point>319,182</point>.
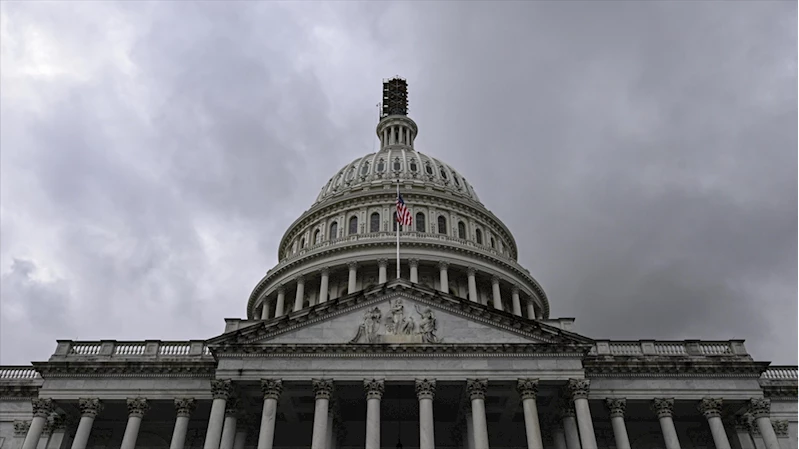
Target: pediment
<point>399,313</point>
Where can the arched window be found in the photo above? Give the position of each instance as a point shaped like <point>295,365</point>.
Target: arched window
<point>333,231</point>
<point>316,237</point>
<point>353,225</point>
<point>493,244</point>
<point>442,224</point>
<point>374,222</point>
<point>457,183</point>
<point>443,173</point>
<point>350,173</point>
<point>381,165</point>
<point>428,168</point>
<point>365,169</point>
<point>478,235</point>
<point>461,230</point>
<point>302,243</point>
<point>420,224</point>
<point>397,164</point>
<point>413,166</point>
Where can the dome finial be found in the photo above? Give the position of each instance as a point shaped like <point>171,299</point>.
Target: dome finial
<point>395,127</point>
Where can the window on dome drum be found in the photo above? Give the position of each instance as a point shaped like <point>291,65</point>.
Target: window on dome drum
<point>442,224</point>
<point>353,225</point>
<point>374,222</point>
<point>493,244</point>
<point>478,235</point>
<point>365,169</point>
<point>455,178</point>
<point>461,230</point>
<point>333,231</point>
<point>395,222</point>
<point>350,173</point>
<point>381,165</point>
<point>413,166</point>
<point>420,224</point>
<point>302,243</point>
<point>429,169</point>
<point>443,173</point>
<point>397,165</point>
<point>316,237</point>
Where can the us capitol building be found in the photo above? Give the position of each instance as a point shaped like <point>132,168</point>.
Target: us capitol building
<point>458,351</point>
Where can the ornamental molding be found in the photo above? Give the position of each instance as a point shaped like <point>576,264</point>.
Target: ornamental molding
<point>616,406</point>
<point>21,428</point>
<point>322,388</point>
<point>18,392</point>
<point>425,388</point>
<point>654,366</point>
<point>401,289</point>
<point>90,407</point>
<point>759,407</point>
<point>271,388</point>
<point>221,388</point>
<point>579,388</point>
<point>42,407</point>
<point>476,388</point>
<point>710,407</point>
<point>199,369</point>
<point>397,328</point>
<point>781,428</point>
<point>499,350</point>
<point>374,388</point>
<point>780,392</point>
<point>527,388</point>
<point>137,407</point>
<point>663,407</point>
<point>184,407</point>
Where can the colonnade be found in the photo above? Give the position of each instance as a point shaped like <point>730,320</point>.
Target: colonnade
<point>573,428</point>
<point>519,306</point>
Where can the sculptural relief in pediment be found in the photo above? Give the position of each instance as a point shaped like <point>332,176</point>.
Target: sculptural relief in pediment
<point>397,326</point>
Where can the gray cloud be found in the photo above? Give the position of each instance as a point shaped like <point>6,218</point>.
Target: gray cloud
<point>643,154</point>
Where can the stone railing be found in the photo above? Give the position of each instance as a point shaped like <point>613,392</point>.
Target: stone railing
<point>18,373</point>
<point>669,348</point>
<point>781,373</point>
<point>390,237</point>
<point>130,349</point>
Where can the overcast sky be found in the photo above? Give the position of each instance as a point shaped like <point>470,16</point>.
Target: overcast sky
<point>644,154</point>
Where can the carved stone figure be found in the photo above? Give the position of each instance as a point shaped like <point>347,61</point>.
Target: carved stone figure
<point>428,325</point>
<point>369,327</point>
<point>398,327</point>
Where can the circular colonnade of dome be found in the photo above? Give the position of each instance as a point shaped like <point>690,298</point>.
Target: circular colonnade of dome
<point>346,242</point>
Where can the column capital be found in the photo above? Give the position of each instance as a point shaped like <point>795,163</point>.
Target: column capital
<point>710,407</point>
<point>352,265</point>
<point>90,407</point>
<point>578,388</point>
<point>476,388</point>
<point>425,388</point>
<point>374,388</point>
<point>325,271</point>
<point>494,279</point>
<point>443,265</point>
<point>137,406</point>
<point>21,428</point>
<point>527,388</point>
<point>42,407</point>
<point>221,388</point>
<point>743,422</point>
<point>617,406</point>
<point>281,289</point>
<point>232,406</point>
<point>514,289</point>
<point>663,407</point>
<point>780,428</point>
<point>382,263</point>
<point>471,271</point>
<point>271,388</point>
<point>760,407</point>
<point>60,421</point>
<point>567,408</point>
<point>322,388</point>
<point>414,263</point>
<point>185,406</point>
<point>300,279</point>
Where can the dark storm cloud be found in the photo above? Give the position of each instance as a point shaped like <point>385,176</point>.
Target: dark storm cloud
<point>643,154</point>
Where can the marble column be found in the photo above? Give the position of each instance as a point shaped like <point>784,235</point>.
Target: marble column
<point>352,282</point>
<point>664,408</point>
<point>570,424</point>
<point>324,285</point>
<point>58,429</point>
<point>711,409</point>
<point>323,389</point>
<point>280,306</point>
<point>89,409</point>
<point>528,390</point>
<point>21,429</point>
<point>617,407</point>
<point>579,394</point>
<point>271,388</point>
<point>229,427</point>
<point>476,388</point>
<point>760,409</point>
<point>221,390</point>
<point>517,304</point>
<point>265,310</point>
<point>497,293</point>
<point>137,407</point>
<point>374,394</point>
<point>471,273</point>
<point>299,297</point>
<point>469,428</point>
<point>331,424</point>
<point>184,407</point>
<point>382,266</point>
<point>47,432</point>
<point>42,408</point>
<point>531,310</point>
<point>443,277</point>
<point>240,441</point>
<point>414,264</point>
<point>425,391</point>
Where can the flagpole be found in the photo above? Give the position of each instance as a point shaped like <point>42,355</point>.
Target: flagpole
<point>398,230</point>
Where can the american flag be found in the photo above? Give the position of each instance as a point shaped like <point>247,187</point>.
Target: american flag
<point>403,214</point>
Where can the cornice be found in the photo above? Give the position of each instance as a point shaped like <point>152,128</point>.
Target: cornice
<point>672,366</point>
<point>201,369</point>
<point>345,246</point>
<point>780,392</point>
<point>18,392</point>
<point>517,350</point>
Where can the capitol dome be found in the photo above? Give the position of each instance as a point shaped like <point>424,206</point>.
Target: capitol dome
<point>346,242</point>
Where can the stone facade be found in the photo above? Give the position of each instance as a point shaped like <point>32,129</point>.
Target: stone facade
<point>457,351</point>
